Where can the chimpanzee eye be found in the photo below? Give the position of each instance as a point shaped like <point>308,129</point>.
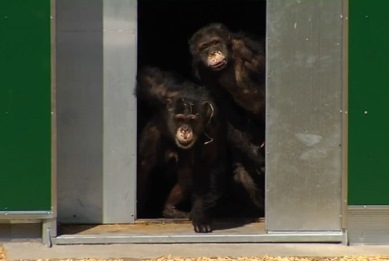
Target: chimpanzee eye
<point>203,46</point>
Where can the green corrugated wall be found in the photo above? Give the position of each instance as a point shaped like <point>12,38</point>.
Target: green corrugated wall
<point>369,102</point>
<point>25,181</point>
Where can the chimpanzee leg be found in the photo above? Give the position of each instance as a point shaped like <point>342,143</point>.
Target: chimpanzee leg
<point>177,195</point>
<point>147,157</point>
<point>181,190</point>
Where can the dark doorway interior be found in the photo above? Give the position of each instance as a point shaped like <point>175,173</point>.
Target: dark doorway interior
<point>164,28</point>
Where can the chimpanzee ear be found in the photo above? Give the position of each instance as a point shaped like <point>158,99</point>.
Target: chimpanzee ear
<point>209,110</point>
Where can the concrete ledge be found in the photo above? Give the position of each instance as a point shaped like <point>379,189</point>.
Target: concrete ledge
<point>24,251</point>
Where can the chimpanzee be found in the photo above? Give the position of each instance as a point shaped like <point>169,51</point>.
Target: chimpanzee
<point>184,129</point>
<point>232,66</point>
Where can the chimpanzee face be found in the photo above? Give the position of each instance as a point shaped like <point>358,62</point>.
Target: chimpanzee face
<point>213,53</point>
<point>187,120</point>
<point>210,46</point>
<point>184,121</point>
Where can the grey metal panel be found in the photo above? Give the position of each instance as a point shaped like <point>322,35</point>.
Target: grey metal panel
<point>96,67</point>
<point>368,225</point>
<point>79,108</point>
<point>79,15</point>
<point>120,58</point>
<point>304,123</point>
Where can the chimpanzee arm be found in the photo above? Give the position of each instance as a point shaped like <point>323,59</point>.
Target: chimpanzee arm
<point>242,143</point>
<point>250,52</point>
<point>207,191</point>
<point>209,177</point>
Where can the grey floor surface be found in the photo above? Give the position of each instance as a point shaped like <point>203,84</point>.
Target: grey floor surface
<point>36,250</point>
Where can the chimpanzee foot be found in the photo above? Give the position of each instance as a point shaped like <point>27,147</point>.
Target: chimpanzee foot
<point>172,212</point>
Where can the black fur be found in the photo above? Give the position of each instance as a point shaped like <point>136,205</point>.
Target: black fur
<point>200,168</point>
<point>237,83</point>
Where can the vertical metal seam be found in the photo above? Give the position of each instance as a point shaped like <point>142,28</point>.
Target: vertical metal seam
<point>53,84</point>
<point>345,90</point>
<point>135,176</point>
<point>266,107</point>
<point>49,227</point>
